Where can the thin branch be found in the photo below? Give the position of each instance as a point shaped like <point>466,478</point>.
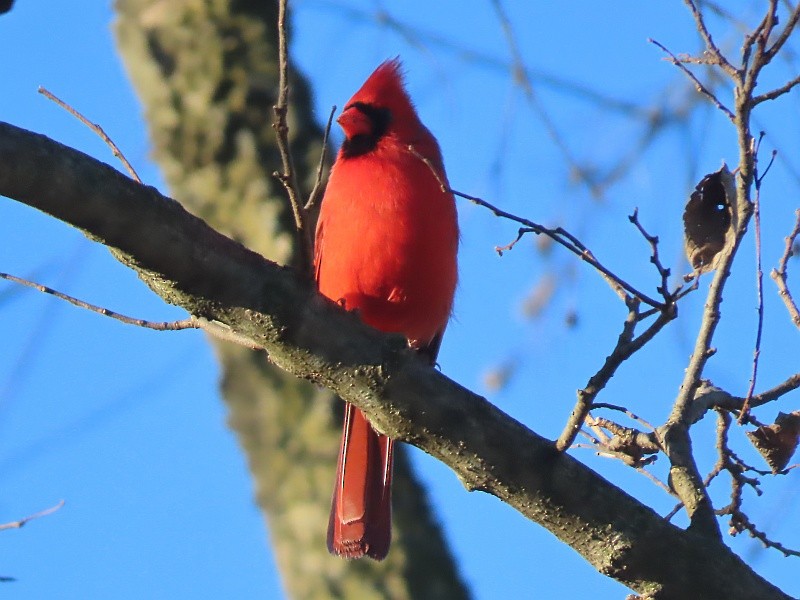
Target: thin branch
<point>700,87</point>
<point>755,35</point>
<point>190,323</point>
<point>94,127</point>
<point>790,384</point>
<point>741,522</point>
<point>559,235</point>
<point>759,281</point>
<point>711,47</point>
<point>736,468</point>
<point>627,440</point>
<point>631,415</point>
<point>762,57</point>
<point>598,381</point>
<point>22,522</point>
<point>791,23</point>
<point>709,397</point>
<point>626,346</point>
<point>316,193</point>
<point>654,258</point>
<point>780,275</point>
<point>771,95</point>
<point>225,333</point>
<point>664,487</point>
<point>214,328</point>
<point>288,177</point>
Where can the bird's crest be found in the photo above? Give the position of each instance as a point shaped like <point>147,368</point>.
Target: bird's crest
<point>385,88</point>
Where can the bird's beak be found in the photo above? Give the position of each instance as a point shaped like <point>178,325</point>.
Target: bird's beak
<point>354,122</point>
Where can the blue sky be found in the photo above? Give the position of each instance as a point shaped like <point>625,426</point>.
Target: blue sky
<point>126,425</point>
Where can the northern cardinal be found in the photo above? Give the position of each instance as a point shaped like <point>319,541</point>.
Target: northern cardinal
<point>386,245</point>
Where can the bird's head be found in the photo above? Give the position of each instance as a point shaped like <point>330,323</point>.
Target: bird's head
<point>381,107</point>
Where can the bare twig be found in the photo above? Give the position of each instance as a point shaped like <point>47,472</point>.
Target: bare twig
<point>597,382</point>
<point>94,127</point>
<point>741,522</point>
<point>316,193</point>
<point>790,384</point>
<point>709,397</point>
<point>700,87</point>
<point>627,445</point>
<point>288,176</point>
<point>711,47</point>
<point>26,520</point>
<point>559,235</point>
<point>626,346</point>
<point>757,35</point>
<point>664,487</point>
<point>780,276</point>
<point>223,332</point>
<point>213,328</point>
<point>631,441</point>
<point>759,281</point>
<point>783,36</point>
<point>631,415</point>
<point>777,92</point>
<point>189,323</point>
<point>654,258</point>
<point>736,468</point>
<point>510,246</point>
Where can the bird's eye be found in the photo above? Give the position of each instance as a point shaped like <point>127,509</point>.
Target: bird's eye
<point>364,125</point>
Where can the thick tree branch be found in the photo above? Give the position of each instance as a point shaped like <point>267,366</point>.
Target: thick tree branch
<point>188,263</point>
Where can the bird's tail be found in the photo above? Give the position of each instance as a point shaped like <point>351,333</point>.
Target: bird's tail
<point>361,510</point>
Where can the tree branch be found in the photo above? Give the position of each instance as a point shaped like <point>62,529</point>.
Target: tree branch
<point>288,176</point>
<point>780,275</point>
<point>626,347</point>
<point>25,520</point>
<point>189,264</point>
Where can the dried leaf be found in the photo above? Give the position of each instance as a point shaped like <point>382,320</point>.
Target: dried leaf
<point>778,442</point>
<point>707,219</point>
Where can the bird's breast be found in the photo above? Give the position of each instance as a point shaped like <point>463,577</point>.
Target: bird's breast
<point>387,244</point>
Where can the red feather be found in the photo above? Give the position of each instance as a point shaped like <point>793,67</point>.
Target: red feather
<point>386,246</point>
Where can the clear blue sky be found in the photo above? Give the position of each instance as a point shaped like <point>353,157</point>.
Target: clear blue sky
<point>126,425</point>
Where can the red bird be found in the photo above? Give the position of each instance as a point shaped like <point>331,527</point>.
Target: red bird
<point>386,246</point>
